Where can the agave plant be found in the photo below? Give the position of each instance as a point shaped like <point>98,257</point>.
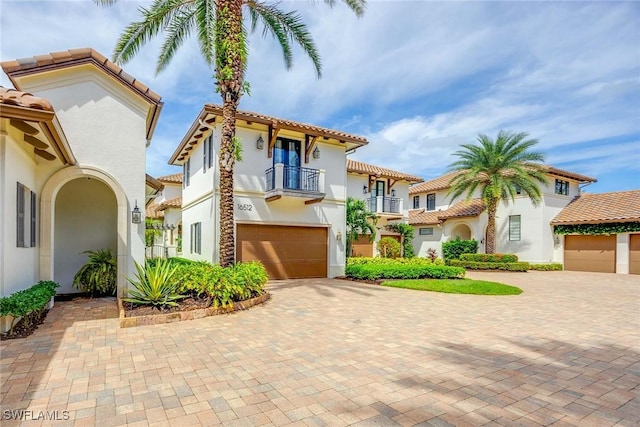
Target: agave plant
<point>98,276</point>
<point>154,285</point>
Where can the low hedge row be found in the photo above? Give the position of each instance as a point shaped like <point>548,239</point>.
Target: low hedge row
<point>28,304</point>
<point>392,261</point>
<point>546,267</point>
<point>403,271</point>
<point>489,257</point>
<point>505,266</point>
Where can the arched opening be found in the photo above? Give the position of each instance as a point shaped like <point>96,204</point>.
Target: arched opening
<point>462,232</point>
<point>85,219</point>
<point>54,226</point>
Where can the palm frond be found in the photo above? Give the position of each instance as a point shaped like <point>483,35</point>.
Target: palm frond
<point>177,31</point>
<point>206,19</point>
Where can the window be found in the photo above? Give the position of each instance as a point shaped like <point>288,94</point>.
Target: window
<point>186,173</point>
<point>514,227</point>
<point>431,202</point>
<point>207,150</point>
<point>416,202</point>
<point>426,231</point>
<point>210,149</point>
<point>517,188</point>
<point>26,228</point>
<point>196,238</point>
<point>562,187</point>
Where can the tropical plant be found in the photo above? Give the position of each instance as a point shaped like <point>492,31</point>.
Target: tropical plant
<point>98,276</point>
<point>360,221</point>
<point>154,285</point>
<point>222,35</point>
<point>389,247</point>
<point>432,254</point>
<point>406,231</point>
<point>497,169</point>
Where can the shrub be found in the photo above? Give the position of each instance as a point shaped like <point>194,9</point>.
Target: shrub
<point>154,285</point>
<point>391,261</point>
<point>546,267</point>
<point>432,254</point>
<point>99,275</point>
<point>389,247</point>
<point>489,257</point>
<point>415,268</point>
<point>406,231</point>
<point>29,304</point>
<point>454,248</point>
<point>506,266</point>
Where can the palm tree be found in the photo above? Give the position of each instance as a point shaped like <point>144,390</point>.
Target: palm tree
<point>219,26</point>
<point>359,221</point>
<point>497,169</point>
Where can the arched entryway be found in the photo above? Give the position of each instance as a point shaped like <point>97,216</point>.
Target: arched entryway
<point>461,231</point>
<point>83,208</point>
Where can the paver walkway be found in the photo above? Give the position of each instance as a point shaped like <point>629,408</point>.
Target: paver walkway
<point>328,352</point>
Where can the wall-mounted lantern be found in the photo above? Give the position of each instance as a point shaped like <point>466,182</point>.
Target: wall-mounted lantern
<point>339,236</point>
<point>393,193</point>
<point>316,153</point>
<point>136,215</point>
<point>365,189</point>
<point>260,143</point>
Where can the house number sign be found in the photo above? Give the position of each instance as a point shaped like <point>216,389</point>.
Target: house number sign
<point>245,207</point>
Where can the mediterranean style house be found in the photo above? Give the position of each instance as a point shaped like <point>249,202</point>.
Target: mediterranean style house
<point>528,230</point>
<point>385,193</point>
<point>65,185</point>
<point>290,192</point>
<point>165,211</point>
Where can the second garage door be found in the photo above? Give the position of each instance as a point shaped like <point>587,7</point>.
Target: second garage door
<point>634,254</point>
<point>590,253</point>
<point>286,252</point>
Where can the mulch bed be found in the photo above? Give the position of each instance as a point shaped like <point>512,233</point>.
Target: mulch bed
<point>21,330</point>
<point>187,304</point>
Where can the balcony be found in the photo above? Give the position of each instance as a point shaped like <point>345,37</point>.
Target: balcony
<point>292,181</point>
<point>385,205</point>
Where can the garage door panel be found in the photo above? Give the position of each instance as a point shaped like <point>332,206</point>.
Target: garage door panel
<point>590,253</point>
<point>634,254</point>
<point>285,251</point>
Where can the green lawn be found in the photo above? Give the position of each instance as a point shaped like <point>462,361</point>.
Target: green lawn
<point>455,286</point>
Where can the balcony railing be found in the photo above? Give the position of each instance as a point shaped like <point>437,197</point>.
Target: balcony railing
<point>384,204</point>
<point>293,178</point>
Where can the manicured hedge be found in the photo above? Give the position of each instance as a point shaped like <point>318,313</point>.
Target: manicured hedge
<point>546,267</point>
<point>415,268</point>
<point>28,304</point>
<point>387,261</point>
<point>489,257</point>
<point>454,248</point>
<point>505,266</point>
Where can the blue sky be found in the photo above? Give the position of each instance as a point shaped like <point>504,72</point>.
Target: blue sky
<point>417,78</point>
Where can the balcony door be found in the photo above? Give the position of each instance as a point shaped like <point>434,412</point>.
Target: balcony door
<point>379,189</point>
<point>287,152</point>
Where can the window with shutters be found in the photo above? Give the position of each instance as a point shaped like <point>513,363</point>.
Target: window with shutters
<point>26,211</point>
<point>514,227</point>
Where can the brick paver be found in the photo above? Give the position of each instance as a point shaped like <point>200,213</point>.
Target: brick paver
<point>329,352</point>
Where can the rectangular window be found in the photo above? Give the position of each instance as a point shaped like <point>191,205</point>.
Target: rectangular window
<point>562,187</point>
<point>205,155</point>
<point>210,150</point>
<point>26,228</point>
<point>426,231</point>
<point>431,202</point>
<point>514,227</point>
<point>186,173</point>
<point>32,228</point>
<point>196,238</point>
<point>517,188</point>
<point>416,202</point>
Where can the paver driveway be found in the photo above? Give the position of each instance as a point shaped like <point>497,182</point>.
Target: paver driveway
<point>328,352</point>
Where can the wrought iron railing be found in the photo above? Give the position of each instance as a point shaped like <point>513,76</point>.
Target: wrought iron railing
<point>271,178</point>
<point>389,204</point>
<point>294,178</point>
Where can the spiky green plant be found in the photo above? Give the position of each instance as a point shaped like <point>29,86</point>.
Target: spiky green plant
<point>360,221</point>
<point>99,275</point>
<point>154,285</point>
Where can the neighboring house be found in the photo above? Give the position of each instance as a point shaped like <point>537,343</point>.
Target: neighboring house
<point>385,193</point>
<point>521,227</point>
<point>290,193</point>
<point>72,166</point>
<point>166,209</point>
<point>612,213</point>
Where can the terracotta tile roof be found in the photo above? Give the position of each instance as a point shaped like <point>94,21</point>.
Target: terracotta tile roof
<point>23,99</point>
<point>461,209</point>
<point>439,183</point>
<point>442,182</point>
<point>176,202</point>
<point>622,206</point>
<point>211,113</point>
<point>175,178</point>
<point>72,57</point>
<point>152,211</point>
<point>365,168</point>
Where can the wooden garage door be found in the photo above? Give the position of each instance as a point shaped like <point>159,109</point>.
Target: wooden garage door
<point>286,252</point>
<point>634,254</point>
<point>362,247</point>
<point>590,253</point>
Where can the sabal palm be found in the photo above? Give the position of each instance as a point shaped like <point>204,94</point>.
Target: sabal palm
<point>359,221</point>
<point>497,169</point>
<point>219,26</point>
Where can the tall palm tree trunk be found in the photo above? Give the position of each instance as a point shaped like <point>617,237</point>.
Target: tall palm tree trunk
<point>492,207</point>
<point>231,61</point>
